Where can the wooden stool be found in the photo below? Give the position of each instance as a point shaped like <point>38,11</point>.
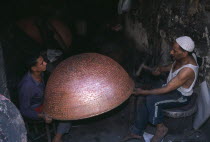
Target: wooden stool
<point>182,114</point>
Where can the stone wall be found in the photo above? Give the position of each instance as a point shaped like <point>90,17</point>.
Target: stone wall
<point>155,24</point>
<point>3,80</point>
<point>12,128</point>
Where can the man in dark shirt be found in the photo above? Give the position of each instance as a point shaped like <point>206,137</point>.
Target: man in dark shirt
<point>31,95</point>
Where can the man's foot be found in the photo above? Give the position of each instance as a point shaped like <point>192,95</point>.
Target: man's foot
<point>133,136</point>
<point>159,134</point>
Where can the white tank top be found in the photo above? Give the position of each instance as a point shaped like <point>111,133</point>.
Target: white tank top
<point>184,91</point>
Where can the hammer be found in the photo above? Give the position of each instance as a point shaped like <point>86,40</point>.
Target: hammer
<point>145,67</point>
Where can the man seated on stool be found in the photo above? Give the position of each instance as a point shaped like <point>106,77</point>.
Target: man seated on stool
<point>31,94</point>
<point>176,93</point>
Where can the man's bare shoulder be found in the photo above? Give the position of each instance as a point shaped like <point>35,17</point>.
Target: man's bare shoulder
<point>186,73</point>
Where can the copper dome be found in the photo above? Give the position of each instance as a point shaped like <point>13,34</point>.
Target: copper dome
<point>86,85</point>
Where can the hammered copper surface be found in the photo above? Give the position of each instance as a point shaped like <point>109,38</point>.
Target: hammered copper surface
<point>86,85</point>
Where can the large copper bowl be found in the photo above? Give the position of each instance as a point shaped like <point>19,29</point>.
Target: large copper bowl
<point>86,85</point>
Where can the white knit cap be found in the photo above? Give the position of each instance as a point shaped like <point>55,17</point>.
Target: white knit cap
<point>186,43</point>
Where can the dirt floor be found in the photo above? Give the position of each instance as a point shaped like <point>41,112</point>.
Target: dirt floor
<point>114,125</point>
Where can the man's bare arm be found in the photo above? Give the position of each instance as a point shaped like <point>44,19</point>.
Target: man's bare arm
<point>184,75</point>
<point>159,70</point>
<point>165,68</point>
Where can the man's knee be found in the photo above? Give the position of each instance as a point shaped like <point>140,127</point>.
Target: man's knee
<point>63,127</point>
<point>151,100</point>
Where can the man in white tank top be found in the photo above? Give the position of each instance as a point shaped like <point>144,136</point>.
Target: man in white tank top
<point>177,91</point>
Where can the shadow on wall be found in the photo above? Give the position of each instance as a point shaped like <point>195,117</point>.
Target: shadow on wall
<point>121,49</point>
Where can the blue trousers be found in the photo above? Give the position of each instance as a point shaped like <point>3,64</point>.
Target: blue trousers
<point>63,127</point>
<point>152,110</point>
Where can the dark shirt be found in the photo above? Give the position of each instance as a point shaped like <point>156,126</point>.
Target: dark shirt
<point>30,95</point>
